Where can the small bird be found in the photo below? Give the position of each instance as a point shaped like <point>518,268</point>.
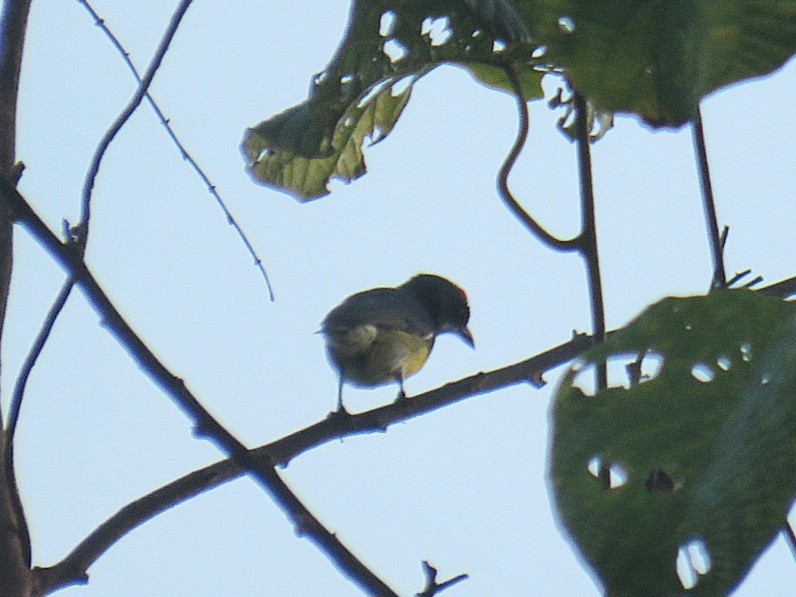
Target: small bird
<point>385,335</point>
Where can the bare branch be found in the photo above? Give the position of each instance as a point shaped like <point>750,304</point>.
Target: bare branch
<point>15,552</point>
<point>117,125</point>
<point>69,257</point>
<point>73,568</point>
<point>31,358</point>
<point>184,153</point>
<point>432,587</point>
<point>783,288</point>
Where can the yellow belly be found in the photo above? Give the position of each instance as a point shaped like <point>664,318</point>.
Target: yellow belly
<point>392,355</point>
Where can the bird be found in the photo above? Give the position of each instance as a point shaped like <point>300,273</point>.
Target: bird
<point>384,335</point>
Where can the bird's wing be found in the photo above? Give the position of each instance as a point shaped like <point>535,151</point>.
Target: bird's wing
<point>385,308</point>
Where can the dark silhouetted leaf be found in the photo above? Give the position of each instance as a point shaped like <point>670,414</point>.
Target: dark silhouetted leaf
<point>698,443</point>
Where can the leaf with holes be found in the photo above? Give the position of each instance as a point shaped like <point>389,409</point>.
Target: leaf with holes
<point>658,59</point>
<point>359,97</point>
<point>681,472</point>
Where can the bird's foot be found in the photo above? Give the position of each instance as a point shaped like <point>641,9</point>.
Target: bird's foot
<point>340,413</point>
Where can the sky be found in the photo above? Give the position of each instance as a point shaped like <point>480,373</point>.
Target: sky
<point>463,487</point>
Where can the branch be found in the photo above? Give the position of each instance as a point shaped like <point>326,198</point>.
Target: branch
<point>505,169</point>
<point>716,244</point>
<point>100,22</point>
<point>73,568</point>
<point>117,125</point>
<point>783,288</point>
<point>30,362</point>
<point>15,576</point>
<point>587,240</point>
<point>432,586</point>
<point>69,257</point>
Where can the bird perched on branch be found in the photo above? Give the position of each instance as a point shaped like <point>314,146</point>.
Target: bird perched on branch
<point>385,335</point>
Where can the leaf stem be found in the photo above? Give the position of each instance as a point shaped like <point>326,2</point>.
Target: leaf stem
<point>716,245</point>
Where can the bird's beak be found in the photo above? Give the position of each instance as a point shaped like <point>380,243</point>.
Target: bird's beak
<point>465,334</point>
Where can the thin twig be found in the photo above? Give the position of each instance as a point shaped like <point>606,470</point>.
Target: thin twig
<point>432,587</point>
<point>135,101</point>
<point>184,153</point>
<point>18,395</point>
<point>73,567</point>
<point>783,288</point>
<point>716,244</point>
<point>505,169</point>
<point>70,258</point>
<point>32,357</point>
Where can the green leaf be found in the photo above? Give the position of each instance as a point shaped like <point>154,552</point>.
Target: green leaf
<point>700,451</point>
<point>654,58</point>
<point>307,158</point>
<point>659,58</point>
<point>496,78</point>
<point>361,94</point>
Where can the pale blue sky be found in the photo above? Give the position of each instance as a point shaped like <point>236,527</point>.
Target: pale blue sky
<point>463,487</point>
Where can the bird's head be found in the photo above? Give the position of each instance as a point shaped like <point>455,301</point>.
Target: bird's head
<point>445,302</point>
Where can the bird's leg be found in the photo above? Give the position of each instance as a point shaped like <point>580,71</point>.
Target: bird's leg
<point>340,408</point>
<point>401,392</point>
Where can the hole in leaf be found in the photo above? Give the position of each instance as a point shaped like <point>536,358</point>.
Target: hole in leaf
<point>746,351</point>
<point>320,78</point>
<point>498,46</point>
<point>438,30</point>
<point>617,474</point>
<point>400,86</point>
<point>368,97</point>
<point>566,24</point>
<point>703,372</point>
<point>395,50</point>
<point>724,362</point>
<point>622,369</point>
<point>693,561</point>
<point>594,466</point>
<point>647,368</point>
<point>387,23</point>
<point>651,365</point>
<point>584,378</point>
